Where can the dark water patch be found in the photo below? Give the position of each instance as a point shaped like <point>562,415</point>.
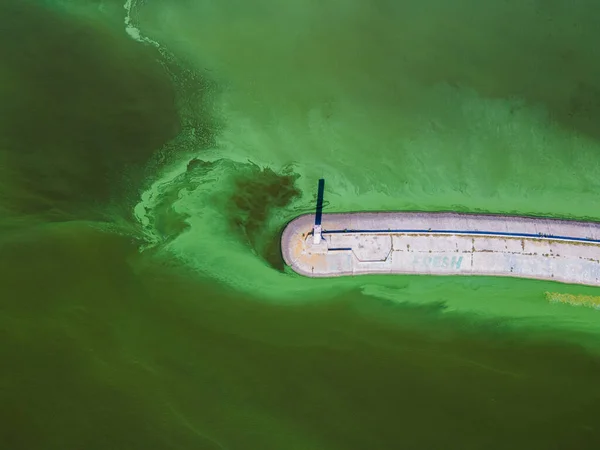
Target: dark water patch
<point>583,109</point>
<point>82,107</point>
<point>69,315</point>
<point>272,251</point>
<point>198,164</point>
<point>257,195</point>
<point>542,52</point>
<point>108,348</point>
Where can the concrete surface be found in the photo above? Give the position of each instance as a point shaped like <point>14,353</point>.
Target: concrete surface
<point>444,244</point>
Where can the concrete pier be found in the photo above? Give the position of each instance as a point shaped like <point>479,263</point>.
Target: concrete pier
<point>444,244</point>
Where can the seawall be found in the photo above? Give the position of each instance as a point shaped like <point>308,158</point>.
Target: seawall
<point>444,244</point>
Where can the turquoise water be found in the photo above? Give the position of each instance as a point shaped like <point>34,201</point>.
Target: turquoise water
<point>151,154</point>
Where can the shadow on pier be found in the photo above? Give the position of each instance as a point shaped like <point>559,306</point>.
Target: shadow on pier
<point>319,210</point>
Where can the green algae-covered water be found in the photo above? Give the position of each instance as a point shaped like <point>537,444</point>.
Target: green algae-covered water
<point>151,153</point>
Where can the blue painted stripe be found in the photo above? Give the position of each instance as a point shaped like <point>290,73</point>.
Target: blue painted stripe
<point>475,233</point>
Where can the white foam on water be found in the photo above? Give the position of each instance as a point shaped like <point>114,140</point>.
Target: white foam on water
<point>133,30</point>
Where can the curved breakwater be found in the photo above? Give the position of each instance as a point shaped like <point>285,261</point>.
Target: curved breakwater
<point>444,244</point>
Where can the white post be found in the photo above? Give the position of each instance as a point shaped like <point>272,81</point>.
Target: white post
<point>317,234</point>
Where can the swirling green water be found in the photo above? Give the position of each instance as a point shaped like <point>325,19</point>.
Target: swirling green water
<point>144,303</point>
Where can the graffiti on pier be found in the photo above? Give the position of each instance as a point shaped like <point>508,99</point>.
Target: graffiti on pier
<point>438,261</point>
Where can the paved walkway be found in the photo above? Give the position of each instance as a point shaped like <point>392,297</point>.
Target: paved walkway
<point>445,244</point>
